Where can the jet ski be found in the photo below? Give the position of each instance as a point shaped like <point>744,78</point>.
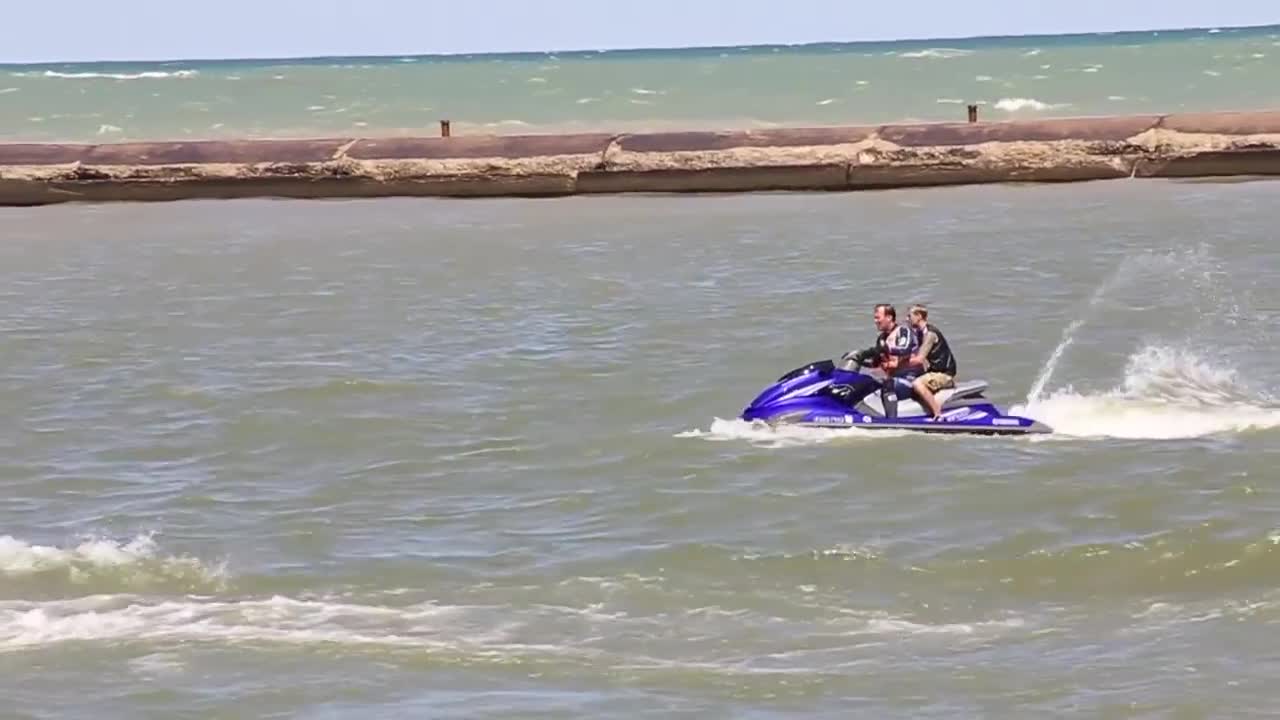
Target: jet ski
<point>822,394</point>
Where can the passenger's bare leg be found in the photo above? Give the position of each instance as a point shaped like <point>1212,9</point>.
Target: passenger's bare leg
<point>930,400</point>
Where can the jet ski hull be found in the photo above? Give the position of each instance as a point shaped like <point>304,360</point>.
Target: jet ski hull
<point>821,395</point>
<point>970,420</point>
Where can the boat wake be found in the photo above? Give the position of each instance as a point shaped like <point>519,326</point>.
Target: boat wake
<point>759,433</point>
<point>1166,393</point>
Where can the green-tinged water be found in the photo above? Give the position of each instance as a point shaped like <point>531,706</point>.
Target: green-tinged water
<point>1144,72</point>
<point>416,458</point>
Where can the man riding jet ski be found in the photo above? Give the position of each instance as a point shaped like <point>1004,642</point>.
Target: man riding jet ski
<point>892,354</point>
<point>824,395</point>
<point>916,359</point>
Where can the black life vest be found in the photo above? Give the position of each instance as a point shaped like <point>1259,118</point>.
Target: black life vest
<point>940,358</point>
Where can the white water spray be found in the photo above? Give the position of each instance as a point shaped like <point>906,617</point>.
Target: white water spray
<point>1069,335</point>
<point>1167,393</point>
<point>1186,267</point>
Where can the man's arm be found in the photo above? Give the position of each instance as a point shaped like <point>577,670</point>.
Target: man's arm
<point>930,339</point>
<point>862,356</point>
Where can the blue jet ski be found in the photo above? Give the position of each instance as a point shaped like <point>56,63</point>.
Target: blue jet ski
<point>821,394</point>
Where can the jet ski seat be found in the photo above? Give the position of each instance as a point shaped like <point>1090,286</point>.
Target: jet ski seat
<point>963,391</point>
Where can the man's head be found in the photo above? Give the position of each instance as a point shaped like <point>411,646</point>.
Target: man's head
<point>919,315</point>
<point>885,317</point>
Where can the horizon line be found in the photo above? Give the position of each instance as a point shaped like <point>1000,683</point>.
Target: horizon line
<point>647,49</point>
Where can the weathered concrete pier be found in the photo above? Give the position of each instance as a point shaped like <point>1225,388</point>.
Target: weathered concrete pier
<point>821,158</point>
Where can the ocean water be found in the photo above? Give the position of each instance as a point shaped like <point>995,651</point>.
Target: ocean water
<point>426,458</point>
<point>732,87</point>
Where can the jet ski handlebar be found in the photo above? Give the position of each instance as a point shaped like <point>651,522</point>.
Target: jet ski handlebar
<point>853,360</point>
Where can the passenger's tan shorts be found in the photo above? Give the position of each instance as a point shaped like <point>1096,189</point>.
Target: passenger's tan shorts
<point>936,381</point>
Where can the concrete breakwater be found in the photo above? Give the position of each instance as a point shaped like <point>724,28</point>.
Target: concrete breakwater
<point>821,158</point>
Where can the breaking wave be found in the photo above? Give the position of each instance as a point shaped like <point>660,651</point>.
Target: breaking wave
<point>1018,104</point>
<point>149,75</point>
<point>936,53</point>
<point>100,564</point>
<point>473,633</point>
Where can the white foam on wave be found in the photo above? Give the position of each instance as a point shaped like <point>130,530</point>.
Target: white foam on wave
<point>6,91</point>
<point>95,557</point>
<point>888,625</point>
<point>936,53</point>
<point>1167,393</point>
<point>25,624</point>
<point>1163,617</point>
<point>505,123</point>
<point>761,434</point>
<point>487,632</point>
<point>149,75</point>
<point>1020,104</point>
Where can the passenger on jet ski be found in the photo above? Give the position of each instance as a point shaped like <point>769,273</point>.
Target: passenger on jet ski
<point>935,359</point>
<point>892,354</point>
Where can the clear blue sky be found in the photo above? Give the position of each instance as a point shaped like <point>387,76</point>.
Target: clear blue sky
<point>65,30</point>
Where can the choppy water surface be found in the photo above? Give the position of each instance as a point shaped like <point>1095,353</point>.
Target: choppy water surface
<point>407,458</point>
<point>835,83</point>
